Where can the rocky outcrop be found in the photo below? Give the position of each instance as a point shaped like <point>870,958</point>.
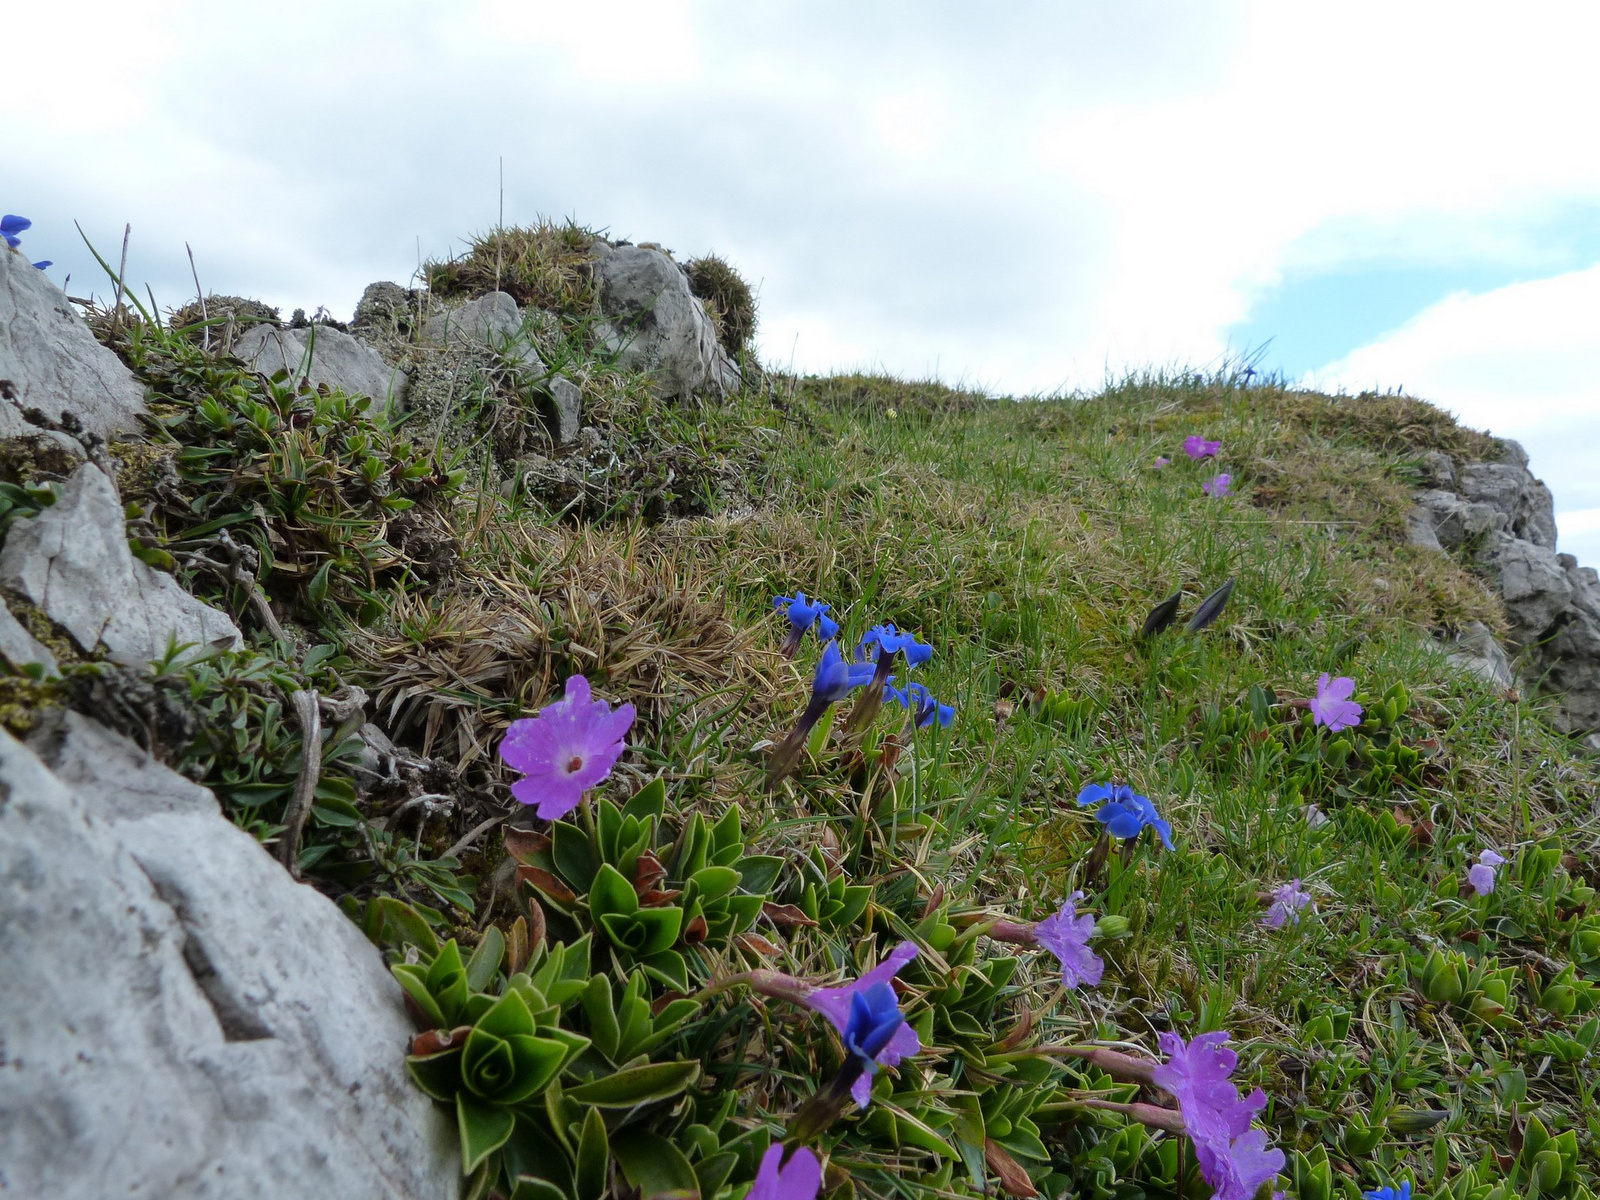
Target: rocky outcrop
<point>329,357</point>
<point>50,362</point>
<point>180,1018</point>
<point>1503,519</point>
<point>73,561</point>
<point>656,324</point>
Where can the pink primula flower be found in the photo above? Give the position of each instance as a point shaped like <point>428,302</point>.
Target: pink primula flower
<point>1287,901</point>
<point>564,751</point>
<point>1218,486</point>
<point>1197,447</point>
<point>1480,876</point>
<point>1162,461</point>
<point>1066,935</point>
<point>1332,706</point>
<point>1233,1157</point>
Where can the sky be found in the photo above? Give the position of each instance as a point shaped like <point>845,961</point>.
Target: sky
<point>1025,198</point>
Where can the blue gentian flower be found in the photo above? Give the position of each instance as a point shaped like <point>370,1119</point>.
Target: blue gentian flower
<point>1124,813</point>
<point>889,640</point>
<point>1403,1192</point>
<point>802,616</point>
<point>42,265</point>
<point>835,679</point>
<point>925,710</point>
<point>875,1017</point>
<point>10,226</point>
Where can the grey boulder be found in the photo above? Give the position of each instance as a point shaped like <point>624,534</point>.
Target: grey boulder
<point>1532,585</point>
<point>492,320</point>
<point>1507,488</point>
<point>1451,521</point>
<point>181,1019</point>
<point>336,359</point>
<point>657,325</point>
<point>49,361</point>
<point>73,561</point>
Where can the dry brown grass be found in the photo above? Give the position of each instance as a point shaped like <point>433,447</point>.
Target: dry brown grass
<point>534,604</point>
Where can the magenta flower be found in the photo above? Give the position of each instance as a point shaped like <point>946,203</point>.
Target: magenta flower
<point>565,750</point>
<point>1162,461</point>
<point>798,1179</point>
<point>1333,706</point>
<point>1233,1157</point>
<point>1066,935</point>
<point>836,1003</point>
<point>1218,486</point>
<point>1480,876</point>
<point>1197,447</point>
<point>1287,901</point>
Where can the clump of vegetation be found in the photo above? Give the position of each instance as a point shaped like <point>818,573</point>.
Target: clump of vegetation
<point>544,265</point>
<point>728,301</point>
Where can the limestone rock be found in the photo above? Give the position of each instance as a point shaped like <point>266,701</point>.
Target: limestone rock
<point>182,1019</point>
<point>337,359</point>
<point>492,320</point>
<point>50,361</point>
<point>1452,520</point>
<point>563,408</point>
<point>657,325</point>
<point>385,309</point>
<point>1585,583</point>
<point>1437,470</point>
<point>20,648</point>
<point>73,561</point>
<point>1533,587</point>
<point>1524,501</point>
<point>1477,651</point>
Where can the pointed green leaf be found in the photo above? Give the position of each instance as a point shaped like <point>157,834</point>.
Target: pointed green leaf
<point>594,1154</point>
<point>654,1165</point>
<point>603,1026</point>
<point>573,856</point>
<point>484,1128</point>
<point>637,1085</point>
<point>612,895</point>
<point>486,959</point>
<point>649,801</point>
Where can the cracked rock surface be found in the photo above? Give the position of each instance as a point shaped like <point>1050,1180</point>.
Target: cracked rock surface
<point>180,1018</point>
<point>73,561</point>
<point>49,361</point>
<point>1503,519</point>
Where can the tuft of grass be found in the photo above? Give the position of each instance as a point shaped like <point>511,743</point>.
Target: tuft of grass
<point>728,301</point>
<point>543,265</point>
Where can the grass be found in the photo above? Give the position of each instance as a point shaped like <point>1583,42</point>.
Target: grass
<point>1401,1030</point>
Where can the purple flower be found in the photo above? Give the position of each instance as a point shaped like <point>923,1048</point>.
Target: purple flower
<point>1480,876</point>
<point>1066,935</point>
<point>1124,813</point>
<point>1333,706</point>
<point>568,748</point>
<point>1196,447</point>
<point>1162,461</point>
<point>798,1179</point>
<point>925,710</point>
<point>838,1005</point>
<point>889,640</point>
<point>1287,901</point>
<point>1233,1157</point>
<point>802,616</point>
<point>1218,486</point>
<point>10,226</point>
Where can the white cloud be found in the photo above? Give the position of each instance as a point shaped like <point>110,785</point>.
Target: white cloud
<point>1523,361</point>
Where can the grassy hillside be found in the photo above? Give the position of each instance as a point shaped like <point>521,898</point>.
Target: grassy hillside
<point>1404,1028</point>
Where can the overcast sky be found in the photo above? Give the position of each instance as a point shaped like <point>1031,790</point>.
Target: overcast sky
<point>1023,197</point>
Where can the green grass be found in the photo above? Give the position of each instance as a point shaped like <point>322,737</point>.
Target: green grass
<point>1400,1030</point>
